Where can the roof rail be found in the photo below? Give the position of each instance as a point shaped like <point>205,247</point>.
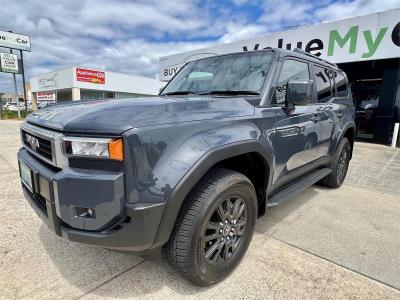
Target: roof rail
<point>298,50</point>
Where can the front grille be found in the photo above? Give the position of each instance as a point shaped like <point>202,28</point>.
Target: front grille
<point>42,147</point>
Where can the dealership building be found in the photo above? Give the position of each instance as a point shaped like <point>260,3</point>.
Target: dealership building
<point>76,83</point>
<point>367,48</point>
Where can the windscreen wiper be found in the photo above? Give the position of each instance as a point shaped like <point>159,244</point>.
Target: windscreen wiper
<point>178,93</point>
<point>229,92</point>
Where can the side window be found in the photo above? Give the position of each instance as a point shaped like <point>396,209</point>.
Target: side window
<point>341,86</point>
<point>291,70</point>
<point>324,80</point>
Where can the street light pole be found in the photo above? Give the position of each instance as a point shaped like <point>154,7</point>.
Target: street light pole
<point>16,91</point>
<point>23,82</point>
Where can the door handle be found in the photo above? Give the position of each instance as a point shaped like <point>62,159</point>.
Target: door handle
<point>340,115</point>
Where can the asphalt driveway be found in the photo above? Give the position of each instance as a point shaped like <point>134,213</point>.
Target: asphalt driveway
<point>342,243</point>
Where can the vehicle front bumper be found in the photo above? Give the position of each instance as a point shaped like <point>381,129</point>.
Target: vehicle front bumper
<point>131,227</point>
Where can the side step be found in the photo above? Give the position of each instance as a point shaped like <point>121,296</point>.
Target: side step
<point>297,187</point>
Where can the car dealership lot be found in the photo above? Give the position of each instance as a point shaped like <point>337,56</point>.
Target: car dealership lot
<point>323,243</point>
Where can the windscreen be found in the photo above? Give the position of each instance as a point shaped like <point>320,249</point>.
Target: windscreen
<point>237,73</point>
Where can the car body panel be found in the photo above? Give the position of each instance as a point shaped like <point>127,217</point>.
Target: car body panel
<point>116,116</point>
<point>170,143</point>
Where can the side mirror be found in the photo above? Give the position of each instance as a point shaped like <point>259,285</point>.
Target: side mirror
<point>298,92</point>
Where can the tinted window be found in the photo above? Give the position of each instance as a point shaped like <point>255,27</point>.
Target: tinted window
<point>341,87</point>
<point>291,70</point>
<point>323,77</point>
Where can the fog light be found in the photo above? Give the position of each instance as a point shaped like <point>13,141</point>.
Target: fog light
<point>84,212</point>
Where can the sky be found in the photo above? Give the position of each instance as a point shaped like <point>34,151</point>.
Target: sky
<point>130,36</point>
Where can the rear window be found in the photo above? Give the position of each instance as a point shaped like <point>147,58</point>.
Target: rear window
<point>324,82</point>
<point>341,86</point>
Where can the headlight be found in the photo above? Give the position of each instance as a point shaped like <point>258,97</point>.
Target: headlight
<point>94,147</point>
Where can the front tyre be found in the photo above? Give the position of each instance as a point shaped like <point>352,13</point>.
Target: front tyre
<point>214,227</point>
<point>339,165</point>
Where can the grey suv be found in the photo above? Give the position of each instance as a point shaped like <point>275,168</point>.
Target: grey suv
<point>190,171</point>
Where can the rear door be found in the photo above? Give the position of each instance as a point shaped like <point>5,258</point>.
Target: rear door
<point>325,115</point>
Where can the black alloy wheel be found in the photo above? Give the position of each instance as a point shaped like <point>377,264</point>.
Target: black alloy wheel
<point>343,164</point>
<point>214,227</point>
<point>224,230</point>
<point>339,165</point>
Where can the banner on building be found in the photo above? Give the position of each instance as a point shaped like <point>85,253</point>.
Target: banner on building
<point>371,37</point>
<point>9,63</point>
<point>91,76</point>
<point>46,96</point>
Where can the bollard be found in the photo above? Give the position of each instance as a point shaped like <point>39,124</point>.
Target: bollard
<point>395,135</point>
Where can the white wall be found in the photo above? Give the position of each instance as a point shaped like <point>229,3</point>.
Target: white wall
<point>114,82</point>
<point>117,82</point>
<point>61,79</point>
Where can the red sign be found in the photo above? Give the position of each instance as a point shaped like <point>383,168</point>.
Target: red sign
<point>90,76</point>
<point>46,96</point>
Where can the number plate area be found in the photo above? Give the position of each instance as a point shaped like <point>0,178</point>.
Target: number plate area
<point>26,175</point>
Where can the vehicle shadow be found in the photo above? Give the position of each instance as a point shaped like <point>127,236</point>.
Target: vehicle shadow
<point>109,273</point>
<point>275,215</point>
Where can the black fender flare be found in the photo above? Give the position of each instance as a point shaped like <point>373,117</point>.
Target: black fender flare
<point>196,172</point>
<point>350,125</point>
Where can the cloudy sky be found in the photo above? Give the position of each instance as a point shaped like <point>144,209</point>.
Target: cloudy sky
<point>130,36</point>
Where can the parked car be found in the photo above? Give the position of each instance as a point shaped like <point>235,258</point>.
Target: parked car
<point>366,96</point>
<point>192,169</point>
<point>44,104</point>
<point>14,107</point>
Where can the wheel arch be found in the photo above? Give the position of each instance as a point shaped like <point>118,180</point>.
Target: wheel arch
<point>348,131</point>
<point>223,156</point>
<point>350,134</point>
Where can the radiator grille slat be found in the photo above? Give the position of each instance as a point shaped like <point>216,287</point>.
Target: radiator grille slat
<point>43,146</point>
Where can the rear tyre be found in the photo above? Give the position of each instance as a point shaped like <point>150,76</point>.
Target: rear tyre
<point>339,165</point>
<point>214,227</point>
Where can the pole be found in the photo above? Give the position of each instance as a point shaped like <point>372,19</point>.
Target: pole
<point>16,91</point>
<point>23,82</point>
<point>395,135</point>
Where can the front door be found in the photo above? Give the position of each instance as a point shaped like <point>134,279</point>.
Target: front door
<point>297,129</point>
